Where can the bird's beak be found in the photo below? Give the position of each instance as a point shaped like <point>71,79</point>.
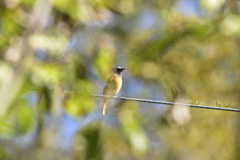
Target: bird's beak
<point>123,68</point>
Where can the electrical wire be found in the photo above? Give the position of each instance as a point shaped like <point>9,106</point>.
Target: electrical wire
<point>164,102</point>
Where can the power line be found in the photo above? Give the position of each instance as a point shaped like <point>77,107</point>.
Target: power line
<point>164,102</point>
<point>157,102</point>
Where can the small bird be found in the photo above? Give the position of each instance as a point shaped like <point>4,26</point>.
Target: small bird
<point>113,86</point>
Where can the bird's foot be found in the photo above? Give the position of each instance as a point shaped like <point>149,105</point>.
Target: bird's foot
<point>118,98</point>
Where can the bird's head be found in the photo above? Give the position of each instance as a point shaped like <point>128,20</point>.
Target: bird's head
<point>118,71</point>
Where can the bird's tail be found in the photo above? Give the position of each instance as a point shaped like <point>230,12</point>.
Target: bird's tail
<point>104,106</point>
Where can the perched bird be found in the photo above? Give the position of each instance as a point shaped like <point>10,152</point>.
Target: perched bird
<point>113,86</point>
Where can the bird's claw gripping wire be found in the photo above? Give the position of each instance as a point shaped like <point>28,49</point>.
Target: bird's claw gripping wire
<point>118,98</point>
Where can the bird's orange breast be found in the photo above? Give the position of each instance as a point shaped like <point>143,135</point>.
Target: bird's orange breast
<point>113,86</point>
<point>118,81</point>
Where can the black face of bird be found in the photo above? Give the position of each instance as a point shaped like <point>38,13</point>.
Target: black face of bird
<point>118,70</point>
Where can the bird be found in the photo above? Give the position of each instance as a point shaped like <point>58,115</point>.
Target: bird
<point>114,84</point>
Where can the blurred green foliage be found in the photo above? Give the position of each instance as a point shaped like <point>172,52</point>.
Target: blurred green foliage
<point>55,53</point>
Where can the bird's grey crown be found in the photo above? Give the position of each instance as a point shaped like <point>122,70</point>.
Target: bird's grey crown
<point>118,71</point>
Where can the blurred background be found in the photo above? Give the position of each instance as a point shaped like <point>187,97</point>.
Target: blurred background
<point>55,53</point>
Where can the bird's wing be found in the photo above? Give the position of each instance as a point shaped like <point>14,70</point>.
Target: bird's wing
<point>108,86</point>
<point>109,80</point>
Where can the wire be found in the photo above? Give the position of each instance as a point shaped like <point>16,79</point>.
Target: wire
<point>164,102</point>
<point>156,102</point>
